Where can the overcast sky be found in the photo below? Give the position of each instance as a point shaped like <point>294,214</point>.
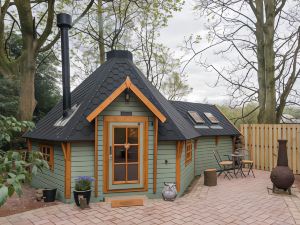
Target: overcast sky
<point>182,25</point>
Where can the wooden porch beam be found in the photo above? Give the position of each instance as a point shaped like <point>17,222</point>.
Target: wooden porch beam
<point>29,145</point>
<point>66,147</point>
<point>96,158</point>
<point>179,147</point>
<point>155,154</point>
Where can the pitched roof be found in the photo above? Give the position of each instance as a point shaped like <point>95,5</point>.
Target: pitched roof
<point>95,89</point>
<point>207,128</point>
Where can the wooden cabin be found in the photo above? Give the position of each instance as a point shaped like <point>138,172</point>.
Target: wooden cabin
<point>122,131</point>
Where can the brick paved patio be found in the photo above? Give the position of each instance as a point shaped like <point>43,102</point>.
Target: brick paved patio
<point>238,201</point>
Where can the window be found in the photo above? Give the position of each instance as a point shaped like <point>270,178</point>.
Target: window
<point>48,155</point>
<point>188,152</point>
<point>126,155</point>
<point>211,117</point>
<point>196,117</point>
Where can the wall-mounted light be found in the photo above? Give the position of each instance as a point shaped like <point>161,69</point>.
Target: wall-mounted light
<point>127,96</point>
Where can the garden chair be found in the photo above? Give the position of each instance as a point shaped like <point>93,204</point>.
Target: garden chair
<point>246,162</point>
<point>225,165</point>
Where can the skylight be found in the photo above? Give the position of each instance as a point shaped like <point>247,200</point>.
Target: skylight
<point>196,117</point>
<point>211,117</point>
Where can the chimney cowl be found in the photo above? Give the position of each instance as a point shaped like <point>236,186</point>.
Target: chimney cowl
<point>64,20</point>
<point>119,54</point>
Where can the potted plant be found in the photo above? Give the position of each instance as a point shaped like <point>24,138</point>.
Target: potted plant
<point>83,186</point>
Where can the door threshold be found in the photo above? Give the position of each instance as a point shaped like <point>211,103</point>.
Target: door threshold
<point>123,197</point>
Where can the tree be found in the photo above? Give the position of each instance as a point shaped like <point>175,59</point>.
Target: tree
<point>263,36</point>
<point>132,25</point>
<point>47,93</point>
<point>175,87</point>
<point>34,23</point>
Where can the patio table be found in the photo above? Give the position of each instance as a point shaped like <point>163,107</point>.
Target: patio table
<point>237,158</point>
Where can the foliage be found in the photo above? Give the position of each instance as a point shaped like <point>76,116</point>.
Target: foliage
<point>34,20</point>
<point>134,25</point>
<point>83,183</point>
<point>240,115</point>
<point>9,99</point>
<point>47,93</point>
<point>175,87</point>
<point>10,128</point>
<point>15,169</point>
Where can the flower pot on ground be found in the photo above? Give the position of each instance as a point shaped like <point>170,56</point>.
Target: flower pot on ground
<point>49,194</point>
<point>83,186</point>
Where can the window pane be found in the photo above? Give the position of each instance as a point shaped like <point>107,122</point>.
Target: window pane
<point>196,117</point>
<point>132,154</point>
<point>120,135</point>
<point>132,173</point>
<point>120,154</point>
<point>133,135</point>
<point>120,172</point>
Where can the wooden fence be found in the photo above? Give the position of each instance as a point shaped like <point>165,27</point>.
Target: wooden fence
<point>261,141</point>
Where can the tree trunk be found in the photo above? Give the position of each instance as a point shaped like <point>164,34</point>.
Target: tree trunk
<point>270,110</point>
<point>261,61</point>
<point>101,37</point>
<point>27,100</point>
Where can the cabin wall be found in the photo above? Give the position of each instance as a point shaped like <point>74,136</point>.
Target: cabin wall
<point>187,171</point>
<point>204,155</point>
<point>48,178</point>
<point>82,163</point>
<point>166,164</point>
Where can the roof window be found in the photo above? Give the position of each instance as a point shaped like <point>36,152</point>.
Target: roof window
<point>196,117</point>
<point>211,117</point>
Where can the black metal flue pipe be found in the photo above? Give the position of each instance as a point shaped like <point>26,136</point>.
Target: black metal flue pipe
<point>64,22</point>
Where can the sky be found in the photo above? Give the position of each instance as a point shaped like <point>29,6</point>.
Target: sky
<point>181,25</point>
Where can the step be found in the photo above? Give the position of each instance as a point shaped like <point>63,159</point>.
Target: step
<point>127,197</point>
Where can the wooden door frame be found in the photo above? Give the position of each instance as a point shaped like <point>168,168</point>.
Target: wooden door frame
<point>106,121</point>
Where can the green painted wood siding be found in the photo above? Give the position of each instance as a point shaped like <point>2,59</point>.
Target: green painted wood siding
<point>55,178</point>
<point>204,156</point>
<point>187,171</point>
<point>166,172</point>
<point>114,109</point>
<point>82,162</point>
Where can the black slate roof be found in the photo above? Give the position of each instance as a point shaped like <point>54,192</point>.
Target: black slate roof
<point>228,128</point>
<point>95,89</point>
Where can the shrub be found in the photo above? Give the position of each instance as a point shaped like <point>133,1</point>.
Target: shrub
<point>17,168</point>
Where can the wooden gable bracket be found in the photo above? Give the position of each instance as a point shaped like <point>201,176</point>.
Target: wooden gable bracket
<point>126,85</point>
<point>66,147</point>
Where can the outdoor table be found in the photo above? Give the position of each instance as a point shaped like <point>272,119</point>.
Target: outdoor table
<point>238,158</point>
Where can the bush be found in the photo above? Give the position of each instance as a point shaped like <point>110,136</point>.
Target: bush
<point>17,168</point>
<point>83,183</point>
<point>11,129</point>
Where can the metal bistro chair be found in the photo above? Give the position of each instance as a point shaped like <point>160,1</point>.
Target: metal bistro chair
<point>225,165</point>
<point>246,162</point>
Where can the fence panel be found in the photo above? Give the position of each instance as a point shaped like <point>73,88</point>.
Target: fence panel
<point>262,142</point>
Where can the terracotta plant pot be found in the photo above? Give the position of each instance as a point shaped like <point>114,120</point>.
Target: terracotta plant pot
<point>85,194</point>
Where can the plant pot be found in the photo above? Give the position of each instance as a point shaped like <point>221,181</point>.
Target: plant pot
<point>85,194</point>
<point>49,194</point>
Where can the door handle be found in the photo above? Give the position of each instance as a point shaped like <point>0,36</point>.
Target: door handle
<point>110,151</point>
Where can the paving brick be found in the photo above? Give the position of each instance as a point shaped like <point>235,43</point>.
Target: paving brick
<point>237,202</point>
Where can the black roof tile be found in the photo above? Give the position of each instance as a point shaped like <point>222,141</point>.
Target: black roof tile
<point>228,128</point>
<point>94,90</point>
